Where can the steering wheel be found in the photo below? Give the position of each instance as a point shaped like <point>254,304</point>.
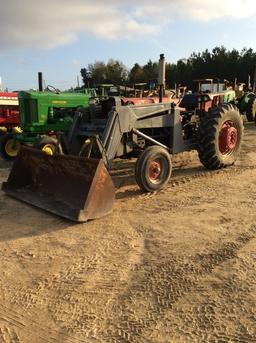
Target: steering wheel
<point>173,94</point>
<point>52,89</point>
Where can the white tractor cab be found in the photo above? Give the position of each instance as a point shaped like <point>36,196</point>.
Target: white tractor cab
<point>211,86</point>
<point>107,89</point>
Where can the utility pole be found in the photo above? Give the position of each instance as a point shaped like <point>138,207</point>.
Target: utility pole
<point>254,81</point>
<point>249,82</point>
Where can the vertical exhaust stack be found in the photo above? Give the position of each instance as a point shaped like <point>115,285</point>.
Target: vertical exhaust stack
<point>40,81</point>
<point>161,76</point>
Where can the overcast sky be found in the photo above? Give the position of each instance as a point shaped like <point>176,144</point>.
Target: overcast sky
<point>59,37</point>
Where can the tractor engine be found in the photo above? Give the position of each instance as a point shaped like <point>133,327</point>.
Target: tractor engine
<point>195,105</point>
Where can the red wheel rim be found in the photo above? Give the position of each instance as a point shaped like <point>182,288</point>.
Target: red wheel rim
<point>227,137</point>
<point>154,170</point>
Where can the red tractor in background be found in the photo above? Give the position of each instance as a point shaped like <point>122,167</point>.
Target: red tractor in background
<point>137,94</point>
<point>148,100</point>
<point>9,111</point>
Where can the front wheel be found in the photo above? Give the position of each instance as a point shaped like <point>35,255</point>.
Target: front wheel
<point>220,136</point>
<point>153,169</point>
<point>9,146</point>
<point>50,146</point>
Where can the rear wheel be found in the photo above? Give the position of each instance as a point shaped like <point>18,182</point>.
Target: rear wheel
<point>153,169</point>
<point>9,146</point>
<point>220,136</point>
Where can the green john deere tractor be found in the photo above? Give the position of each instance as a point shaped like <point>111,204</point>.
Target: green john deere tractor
<point>42,115</point>
<point>246,102</point>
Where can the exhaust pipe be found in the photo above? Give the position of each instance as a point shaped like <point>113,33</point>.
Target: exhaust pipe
<point>161,77</point>
<point>40,81</point>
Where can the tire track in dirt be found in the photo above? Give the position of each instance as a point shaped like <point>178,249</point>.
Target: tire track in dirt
<point>30,326</point>
<point>164,284</point>
<point>8,335</point>
<point>87,300</point>
<point>82,318</point>
<point>179,181</point>
<point>61,293</point>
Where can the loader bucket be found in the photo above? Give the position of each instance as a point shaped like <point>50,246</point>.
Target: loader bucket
<point>73,187</point>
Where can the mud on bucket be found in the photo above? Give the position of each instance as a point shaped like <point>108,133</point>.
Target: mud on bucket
<point>73,187</point>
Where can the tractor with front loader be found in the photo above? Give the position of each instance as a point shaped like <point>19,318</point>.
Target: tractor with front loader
<point>77,184</point>
<point>45,113</point>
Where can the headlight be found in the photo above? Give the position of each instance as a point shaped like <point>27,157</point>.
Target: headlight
<point>199,99</point>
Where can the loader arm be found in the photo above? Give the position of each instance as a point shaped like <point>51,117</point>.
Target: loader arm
<point>129,119</point>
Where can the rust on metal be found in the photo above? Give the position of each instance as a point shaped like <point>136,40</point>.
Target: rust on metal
<point>73,187</point>
<point>228,137</point>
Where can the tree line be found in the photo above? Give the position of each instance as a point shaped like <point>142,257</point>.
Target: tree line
<point>219,63</point>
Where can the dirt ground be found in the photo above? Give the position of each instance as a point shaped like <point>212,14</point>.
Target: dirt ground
<point>177,266</point>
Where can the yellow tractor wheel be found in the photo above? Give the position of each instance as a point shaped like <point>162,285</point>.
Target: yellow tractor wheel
<point>48,149</point>
<point>50,146</point>
<point>9,147</point>
<point>12,148</point>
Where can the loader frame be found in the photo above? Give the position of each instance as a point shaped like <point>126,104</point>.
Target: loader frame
<point>117,136</point>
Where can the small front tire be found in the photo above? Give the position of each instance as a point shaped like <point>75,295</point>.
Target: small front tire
<point>153,169</point>
<point>49,145</point>
<point>9,146</point>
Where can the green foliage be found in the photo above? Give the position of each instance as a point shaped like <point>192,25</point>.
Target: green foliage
<point>116,72</point>
<point>150,70</point>
<point>218,63</point>
<point>99,72</point>
<point>136,74</point>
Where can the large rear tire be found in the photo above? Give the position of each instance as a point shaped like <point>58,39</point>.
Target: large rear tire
<point>220,136</point>
<point>153,169</point>
<point>9,147</point>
